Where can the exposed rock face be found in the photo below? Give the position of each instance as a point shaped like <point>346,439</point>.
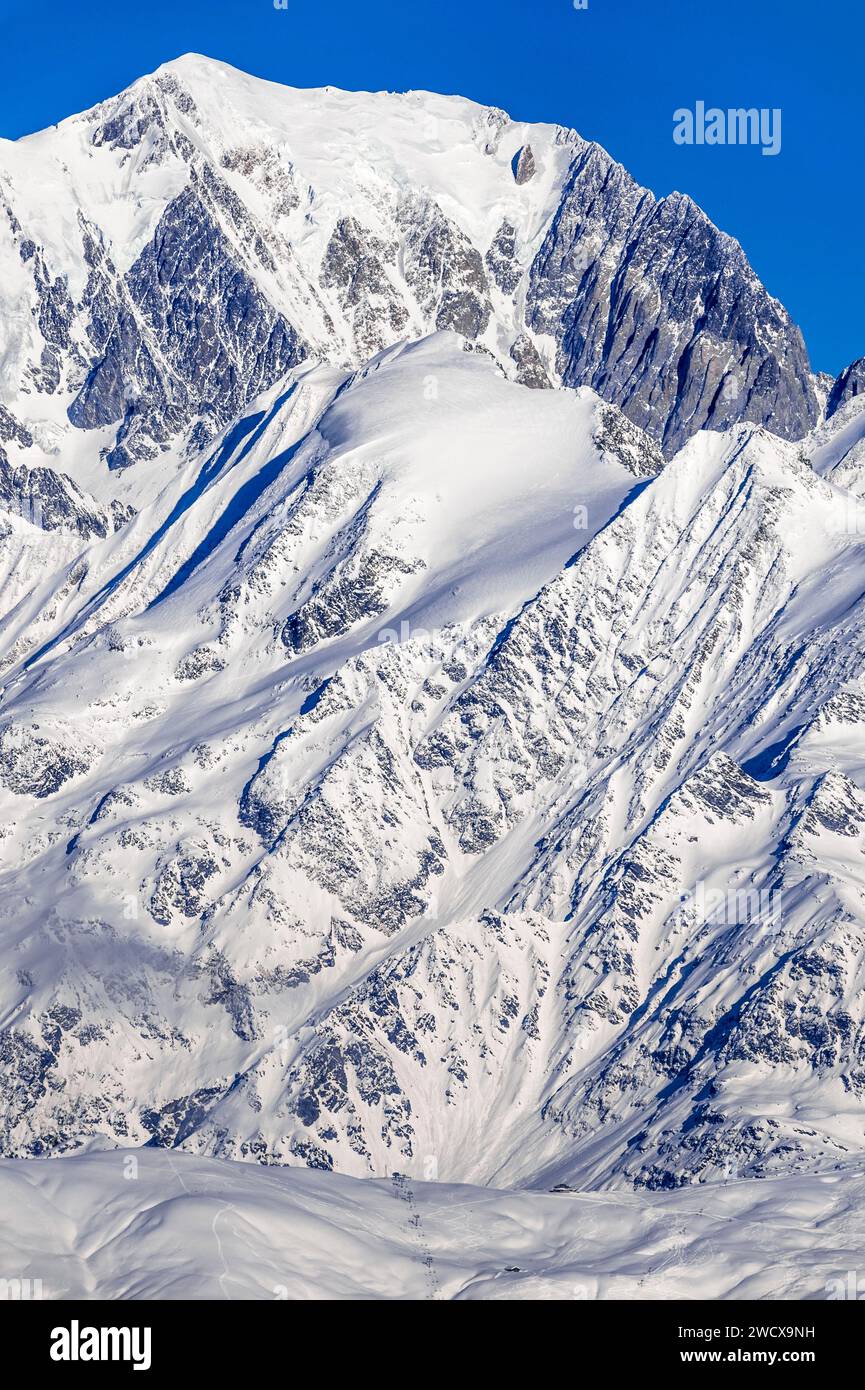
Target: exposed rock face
<point>54,502</point>
<point>149,120</point>
<point>37,762</point>
<point>501,259</point>
<point>530,368</point>
<point>849,384</point>
<point>194,339</point>
<point>355,264</point>
<point>659,311</point>
<point>12,430</point>
<point>616,437</point>
<point>524,165</point>
<point>444,270</point>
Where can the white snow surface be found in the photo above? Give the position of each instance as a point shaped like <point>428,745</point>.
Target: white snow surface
<point>160,1225</point>
<point>362,795</point>
<point>335,141</point>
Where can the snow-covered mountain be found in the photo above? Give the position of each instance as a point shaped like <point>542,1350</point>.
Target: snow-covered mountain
<point>402,769</point>
<point>170,254</point>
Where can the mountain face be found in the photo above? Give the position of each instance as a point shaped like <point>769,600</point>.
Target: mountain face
<point>172,253</point>
<point>402,768</point>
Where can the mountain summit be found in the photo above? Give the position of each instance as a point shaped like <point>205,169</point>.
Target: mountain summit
<point>174,251</point>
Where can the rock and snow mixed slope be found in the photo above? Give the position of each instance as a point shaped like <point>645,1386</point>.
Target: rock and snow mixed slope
<point>226,735</point>
<point>404,768</point>
<point>372,803</point>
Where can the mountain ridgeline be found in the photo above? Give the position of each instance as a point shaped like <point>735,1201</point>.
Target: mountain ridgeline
<point>255,241</point>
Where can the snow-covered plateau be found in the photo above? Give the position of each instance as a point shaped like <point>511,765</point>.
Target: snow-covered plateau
<point>432,718</point>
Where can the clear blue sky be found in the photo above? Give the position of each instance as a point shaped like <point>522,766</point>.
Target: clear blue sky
<point>615,71</point>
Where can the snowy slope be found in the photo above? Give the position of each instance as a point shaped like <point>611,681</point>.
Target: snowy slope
<point>157,1225</point>
<point>152,683</point>
<point>353,819</point>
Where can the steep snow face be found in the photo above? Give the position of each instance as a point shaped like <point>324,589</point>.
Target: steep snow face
<point>428,780</point>
<point>215,696</point>
<point>160,1225</point>
<point>172,253</point>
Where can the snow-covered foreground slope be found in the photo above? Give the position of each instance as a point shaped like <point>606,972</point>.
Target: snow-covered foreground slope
<point>161,1225</point>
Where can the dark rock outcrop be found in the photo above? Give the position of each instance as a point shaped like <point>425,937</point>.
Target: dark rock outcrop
<point>661,314</point>
<point>849,383</point>
<point>193,337</point>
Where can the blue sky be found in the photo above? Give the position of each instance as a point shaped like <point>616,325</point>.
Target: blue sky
<point>615,71</point>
